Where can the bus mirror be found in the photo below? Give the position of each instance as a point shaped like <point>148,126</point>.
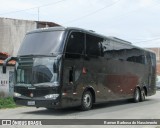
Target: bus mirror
<point>5,63</point>
<point>4,69</point>
<point>55,67</point>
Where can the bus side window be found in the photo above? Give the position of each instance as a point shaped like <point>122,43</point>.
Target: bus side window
<point>108,49</point>
<point>119,51</point>
<point>94,46</point>
<point>75,45</point>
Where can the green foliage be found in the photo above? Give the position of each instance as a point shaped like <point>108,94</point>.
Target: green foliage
<point>7,103</point>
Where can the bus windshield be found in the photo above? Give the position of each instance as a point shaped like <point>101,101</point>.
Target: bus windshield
<point>41,72</point>
<point>41,43</point>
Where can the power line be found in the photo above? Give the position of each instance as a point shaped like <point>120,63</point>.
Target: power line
<point>38,14</point>
<point>33,7</point>
<point>148,40</point>
<point>133,11</point>
<point>92,13</point>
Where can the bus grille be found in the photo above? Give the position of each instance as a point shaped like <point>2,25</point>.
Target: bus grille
<point>25,61</point>
<point>38,92</point>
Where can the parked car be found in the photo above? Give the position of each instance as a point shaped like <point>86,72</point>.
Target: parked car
<point>158,85</point>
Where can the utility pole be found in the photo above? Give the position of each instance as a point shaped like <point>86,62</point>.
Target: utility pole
<point>38,13</point>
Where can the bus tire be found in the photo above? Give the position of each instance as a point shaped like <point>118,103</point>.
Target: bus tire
<point>137,95</point>
<point>86,101</point>
<point>143,96</point>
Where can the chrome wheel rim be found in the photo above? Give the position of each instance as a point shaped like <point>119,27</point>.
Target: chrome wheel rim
<point>143,95</point>
<point>87,100</point>
<point>137,94</point>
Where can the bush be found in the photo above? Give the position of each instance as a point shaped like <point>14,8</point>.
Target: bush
<point>7,103</point>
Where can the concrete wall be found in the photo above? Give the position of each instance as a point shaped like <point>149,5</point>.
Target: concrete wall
<point>12,32</point>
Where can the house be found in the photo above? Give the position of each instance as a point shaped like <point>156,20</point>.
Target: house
<point>6,80</point>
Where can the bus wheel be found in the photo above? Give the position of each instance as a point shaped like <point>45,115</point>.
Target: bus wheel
<point>143,96</point>
<point>137,95</point>
<point>87,101</point>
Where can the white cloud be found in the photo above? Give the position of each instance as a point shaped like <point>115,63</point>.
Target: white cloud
<point>146,2</point>
<point>12,5</point>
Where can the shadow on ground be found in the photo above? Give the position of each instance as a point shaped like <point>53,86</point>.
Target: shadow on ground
<point>97,107</point>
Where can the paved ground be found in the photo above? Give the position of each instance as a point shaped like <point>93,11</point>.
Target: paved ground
<point>150,109</point>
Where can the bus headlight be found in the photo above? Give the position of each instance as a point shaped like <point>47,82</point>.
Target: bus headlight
<point>16,94</point>
<point>51,96</point>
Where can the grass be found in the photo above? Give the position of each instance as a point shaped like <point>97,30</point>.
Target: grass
<point>7,103</point>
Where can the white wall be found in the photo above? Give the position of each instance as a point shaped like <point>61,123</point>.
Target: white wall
<point>6,86</point>
<point>12,32</point>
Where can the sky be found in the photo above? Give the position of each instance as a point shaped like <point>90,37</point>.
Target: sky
<point>137,21</point>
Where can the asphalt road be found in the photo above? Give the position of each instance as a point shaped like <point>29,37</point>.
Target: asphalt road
<point>149,109</point>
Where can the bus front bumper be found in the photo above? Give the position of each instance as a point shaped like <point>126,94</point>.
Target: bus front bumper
<point>34,102</point>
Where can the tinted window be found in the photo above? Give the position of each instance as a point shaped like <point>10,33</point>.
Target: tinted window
<point>136,55</point>
<point>108,49</point>
<point>75,45</point>
<point>42,43</point>
<point>119,51</point>
<point>114,50</point>
<point>93,45</point>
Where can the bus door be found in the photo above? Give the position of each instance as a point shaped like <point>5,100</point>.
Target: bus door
<point>72,67</point>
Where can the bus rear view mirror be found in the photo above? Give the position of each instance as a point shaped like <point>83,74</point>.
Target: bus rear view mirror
<point>4,70</point>
<point>55,67</point>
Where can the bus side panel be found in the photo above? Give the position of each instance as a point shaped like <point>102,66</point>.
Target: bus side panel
<point>118,79</point>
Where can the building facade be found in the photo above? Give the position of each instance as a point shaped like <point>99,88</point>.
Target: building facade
<point>7,79</point>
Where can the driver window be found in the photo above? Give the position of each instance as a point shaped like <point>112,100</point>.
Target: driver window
<point>75,45</point>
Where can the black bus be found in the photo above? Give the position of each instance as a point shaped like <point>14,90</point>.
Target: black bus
<point>64,67</point>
